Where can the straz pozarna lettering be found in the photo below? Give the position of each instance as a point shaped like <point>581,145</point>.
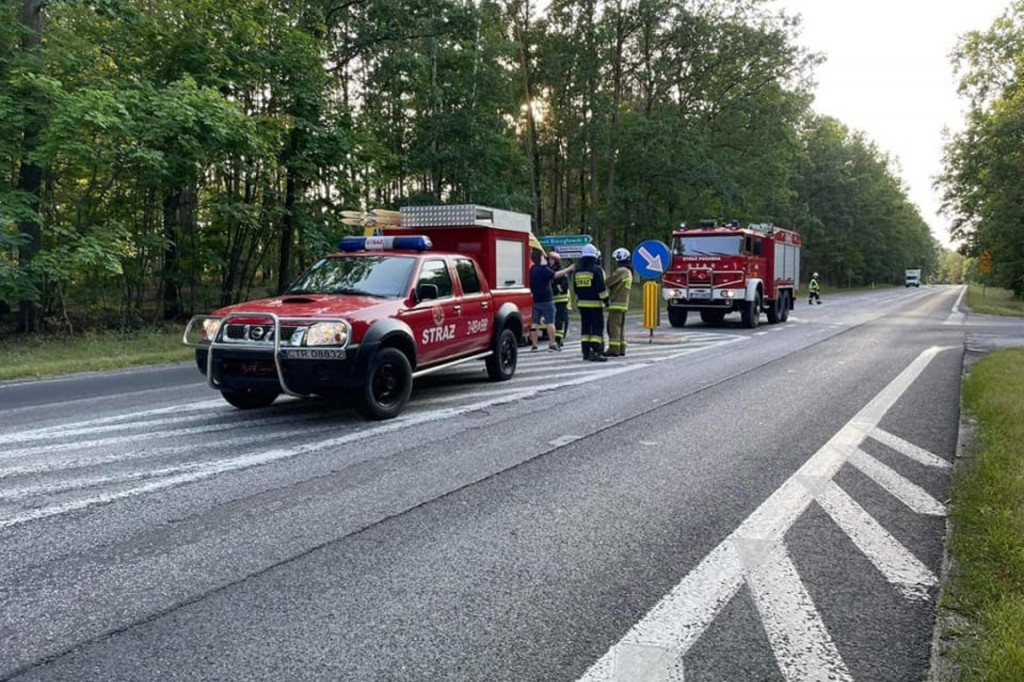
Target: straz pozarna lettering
<point>436,334</point>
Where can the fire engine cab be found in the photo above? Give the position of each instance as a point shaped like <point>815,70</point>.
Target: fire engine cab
<point>719,269</point>
<point>436,287</point>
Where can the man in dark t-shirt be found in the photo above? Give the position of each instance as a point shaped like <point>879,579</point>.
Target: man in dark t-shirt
<point>541,277</point>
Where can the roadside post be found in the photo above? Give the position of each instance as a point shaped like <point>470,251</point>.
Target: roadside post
<point>650,258</point>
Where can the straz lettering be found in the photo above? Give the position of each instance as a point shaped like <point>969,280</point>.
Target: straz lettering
<point>436,334</point>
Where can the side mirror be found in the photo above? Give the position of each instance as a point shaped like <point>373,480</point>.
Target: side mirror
<point>426,292</point>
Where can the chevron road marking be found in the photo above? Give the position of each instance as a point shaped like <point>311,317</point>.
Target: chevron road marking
<point>754,554</point>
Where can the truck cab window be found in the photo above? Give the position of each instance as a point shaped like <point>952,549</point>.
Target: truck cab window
<point>436,272</point>
<point>468,277</point>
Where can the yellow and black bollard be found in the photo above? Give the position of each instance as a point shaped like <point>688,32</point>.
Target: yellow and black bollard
<point>652,307</point>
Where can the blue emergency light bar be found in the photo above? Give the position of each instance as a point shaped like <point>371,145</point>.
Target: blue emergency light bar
<point>412,242</point>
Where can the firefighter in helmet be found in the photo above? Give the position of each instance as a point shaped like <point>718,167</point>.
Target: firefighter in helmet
<point>560,288</point>
<point>619,284</point>
<point>591,299</point>
<point>815,290</point>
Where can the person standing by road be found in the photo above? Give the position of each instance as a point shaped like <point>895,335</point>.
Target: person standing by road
<point>619,284</point>
<point>560,288</point>
<point>591,299</point>
<point>541,277</point>
<point>815,290</point>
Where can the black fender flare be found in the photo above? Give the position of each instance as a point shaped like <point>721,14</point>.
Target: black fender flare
<point>508,316</point>
<point>385,332</point>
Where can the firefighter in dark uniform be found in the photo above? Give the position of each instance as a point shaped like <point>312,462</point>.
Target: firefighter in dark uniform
<point>560,287</point>
<point>619,284</point>
<point>591,299</point>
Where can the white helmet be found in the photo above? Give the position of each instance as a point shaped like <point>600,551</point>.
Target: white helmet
<point>621,255</point>
<point>815,275</point>
<point>589,251</point>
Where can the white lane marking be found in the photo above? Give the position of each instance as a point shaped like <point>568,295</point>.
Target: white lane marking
<point>682,615</point>
<point>78,428</point>
<point>910,494</point>
<point>179,432</point>
<point>192,475</point>
<point>639,661</point>
<point>564,440</point>
<point>956,315</point>
<point>796,633</point>
<point>908,449</point>
<point>901,568</point>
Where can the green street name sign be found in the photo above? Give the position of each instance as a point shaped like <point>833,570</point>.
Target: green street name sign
<point>566,240</point>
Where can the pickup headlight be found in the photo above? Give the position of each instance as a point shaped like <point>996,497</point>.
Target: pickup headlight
<point>327,334</point>
<point>211,325</point>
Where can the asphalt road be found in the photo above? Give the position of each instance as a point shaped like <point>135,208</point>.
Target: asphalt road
<point>721,504</point>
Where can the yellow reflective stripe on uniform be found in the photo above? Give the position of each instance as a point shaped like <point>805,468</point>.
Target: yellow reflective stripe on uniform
<point>614,306</point>
<point>589,304</point>
<point>603,294</point>
<point>560,299</point>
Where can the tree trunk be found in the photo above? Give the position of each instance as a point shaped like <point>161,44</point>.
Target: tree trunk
<point>30,174</point>
<point>171,293</point>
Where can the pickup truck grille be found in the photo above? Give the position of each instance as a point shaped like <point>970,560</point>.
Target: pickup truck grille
<point>256,333</point>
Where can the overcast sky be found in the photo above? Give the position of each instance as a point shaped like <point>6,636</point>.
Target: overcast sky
<point>888,74</point>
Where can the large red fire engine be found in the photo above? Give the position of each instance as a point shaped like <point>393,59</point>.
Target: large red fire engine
<point>443,286</point>
<point>717,269</point>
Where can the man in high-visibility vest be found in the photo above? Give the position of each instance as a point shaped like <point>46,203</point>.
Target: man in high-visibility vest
<point>591,299</point>
<point>560,288</point>
<point>814,289</point>
<point>619,284</point>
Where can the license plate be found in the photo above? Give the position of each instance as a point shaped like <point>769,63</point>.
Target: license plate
<point>700,293</point>
<point>312,353</point>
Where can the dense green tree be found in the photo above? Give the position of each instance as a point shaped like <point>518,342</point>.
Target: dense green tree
<point>983,180</point>
<point>161,157</point>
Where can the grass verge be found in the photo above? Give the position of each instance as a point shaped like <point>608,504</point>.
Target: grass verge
<point>992,301</point>
<point>986,545</point>
<point>38,356</point>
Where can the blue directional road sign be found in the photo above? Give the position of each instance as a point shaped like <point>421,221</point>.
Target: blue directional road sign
<point>651,258</point>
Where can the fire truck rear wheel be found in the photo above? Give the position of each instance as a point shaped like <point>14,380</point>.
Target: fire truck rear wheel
<point>501,364</point>
<point>775,311</point>
<point>248,400</point>
<point>676,317</point>
<point>784,314</point>
<point>388,385</point>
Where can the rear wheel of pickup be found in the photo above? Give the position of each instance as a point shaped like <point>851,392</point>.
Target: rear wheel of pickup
<point>676,316</point>
<point>388,385</point>
<point>248,400</point>
<point>501,363</point>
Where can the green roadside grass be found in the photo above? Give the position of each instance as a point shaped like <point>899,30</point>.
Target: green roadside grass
<point>990,301</point>
<point>37,356</point>
<point>984,640</point>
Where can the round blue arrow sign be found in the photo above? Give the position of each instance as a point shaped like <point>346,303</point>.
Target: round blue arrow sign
<point>651,258</point>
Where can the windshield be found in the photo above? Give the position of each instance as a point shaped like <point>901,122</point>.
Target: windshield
<point>382,276</point>
<point>708,245</point>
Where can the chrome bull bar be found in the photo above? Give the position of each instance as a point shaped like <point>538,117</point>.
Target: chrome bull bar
<point>221,341</point>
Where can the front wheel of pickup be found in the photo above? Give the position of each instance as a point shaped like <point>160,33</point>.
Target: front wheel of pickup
<point>248,400</point>
<point>501,364</point>
<point>388,385</point>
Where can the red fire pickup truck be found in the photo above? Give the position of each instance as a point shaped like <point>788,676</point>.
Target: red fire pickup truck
<point>382,311</point>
